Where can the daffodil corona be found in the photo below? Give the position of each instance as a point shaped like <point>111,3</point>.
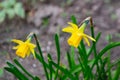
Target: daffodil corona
<point>24,48</point>
<point>77,34</point>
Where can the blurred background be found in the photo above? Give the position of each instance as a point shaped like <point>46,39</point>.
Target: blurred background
<point>45,18</point>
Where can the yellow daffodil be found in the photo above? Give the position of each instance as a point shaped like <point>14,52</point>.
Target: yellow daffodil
<point>77,34</point>
<point>24,48</point>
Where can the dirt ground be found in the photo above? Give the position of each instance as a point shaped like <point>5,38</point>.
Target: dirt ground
<point>48,18</point>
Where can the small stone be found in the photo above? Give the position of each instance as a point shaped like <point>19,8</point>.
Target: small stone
<point>34,65</point>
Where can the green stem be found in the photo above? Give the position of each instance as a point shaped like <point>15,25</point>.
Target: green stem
<point>42,58</point>
<point>94,45</point>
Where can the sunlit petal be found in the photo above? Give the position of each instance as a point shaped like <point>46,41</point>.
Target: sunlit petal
<point>82,28</point>
<point>33,52</point>
<point>17,41</point>
<point>86,40</point>
<point>16,47</point>
<point>68,29</point>
<point>74,26</point>
<point>89,37</point>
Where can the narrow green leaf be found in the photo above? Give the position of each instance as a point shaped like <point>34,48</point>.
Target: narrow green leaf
<point>65,71</point>
<point>69,59</point>
<point>23,69</point>
<point>57,47</point>
<point>102,52</point>
<point>15,71</point>
<point>94,47</point>
<point>97,38</point>
<point>74,20</point>
<point>58,53</point>
<point>11,71</point>
<point>113,64</point>
<point>72,52</point>
<point>41,57</point>
<point>1,72</point>
<point>117,73</point>
<point>36,78</point>
<point>50,66</point>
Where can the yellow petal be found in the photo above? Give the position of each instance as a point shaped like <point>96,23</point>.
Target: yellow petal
<point>86,40</point>
<point>89,37</point>
<point>74,26</point>
<point>68,29</point>
<point>28,53</point>
<point>31,45</point>
<point>33,52</point>
<point>16,47</point>
<point>82,28</point>
<point>17,41</point>
<point>28,40</point>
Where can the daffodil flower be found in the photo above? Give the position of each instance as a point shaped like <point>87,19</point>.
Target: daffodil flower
<point>24,48</point>
<point>77,34</point>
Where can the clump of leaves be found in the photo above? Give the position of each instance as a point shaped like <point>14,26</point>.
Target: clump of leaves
<point>11,8</point>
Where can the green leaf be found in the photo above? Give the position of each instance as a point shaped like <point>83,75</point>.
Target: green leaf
<point>117,73</point>
<point>50,66</point>
<point>91,49</point>
<point>12,2</point>
<point>69,59</point>
<point>102,52</point>
<point>36,78</point>
<point>15,71</point>
<point>57,47</point>
<point>73,18</point>
<point>19,10</point>
<point>58,52</point>
<point>23,69</point>
<point>5,4</point>
<point>40,57</point>
<point>65,71</point>
<point>10,12</point>
<point>72,52</point>
<point>1,72</point>
<point>2,16</point>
